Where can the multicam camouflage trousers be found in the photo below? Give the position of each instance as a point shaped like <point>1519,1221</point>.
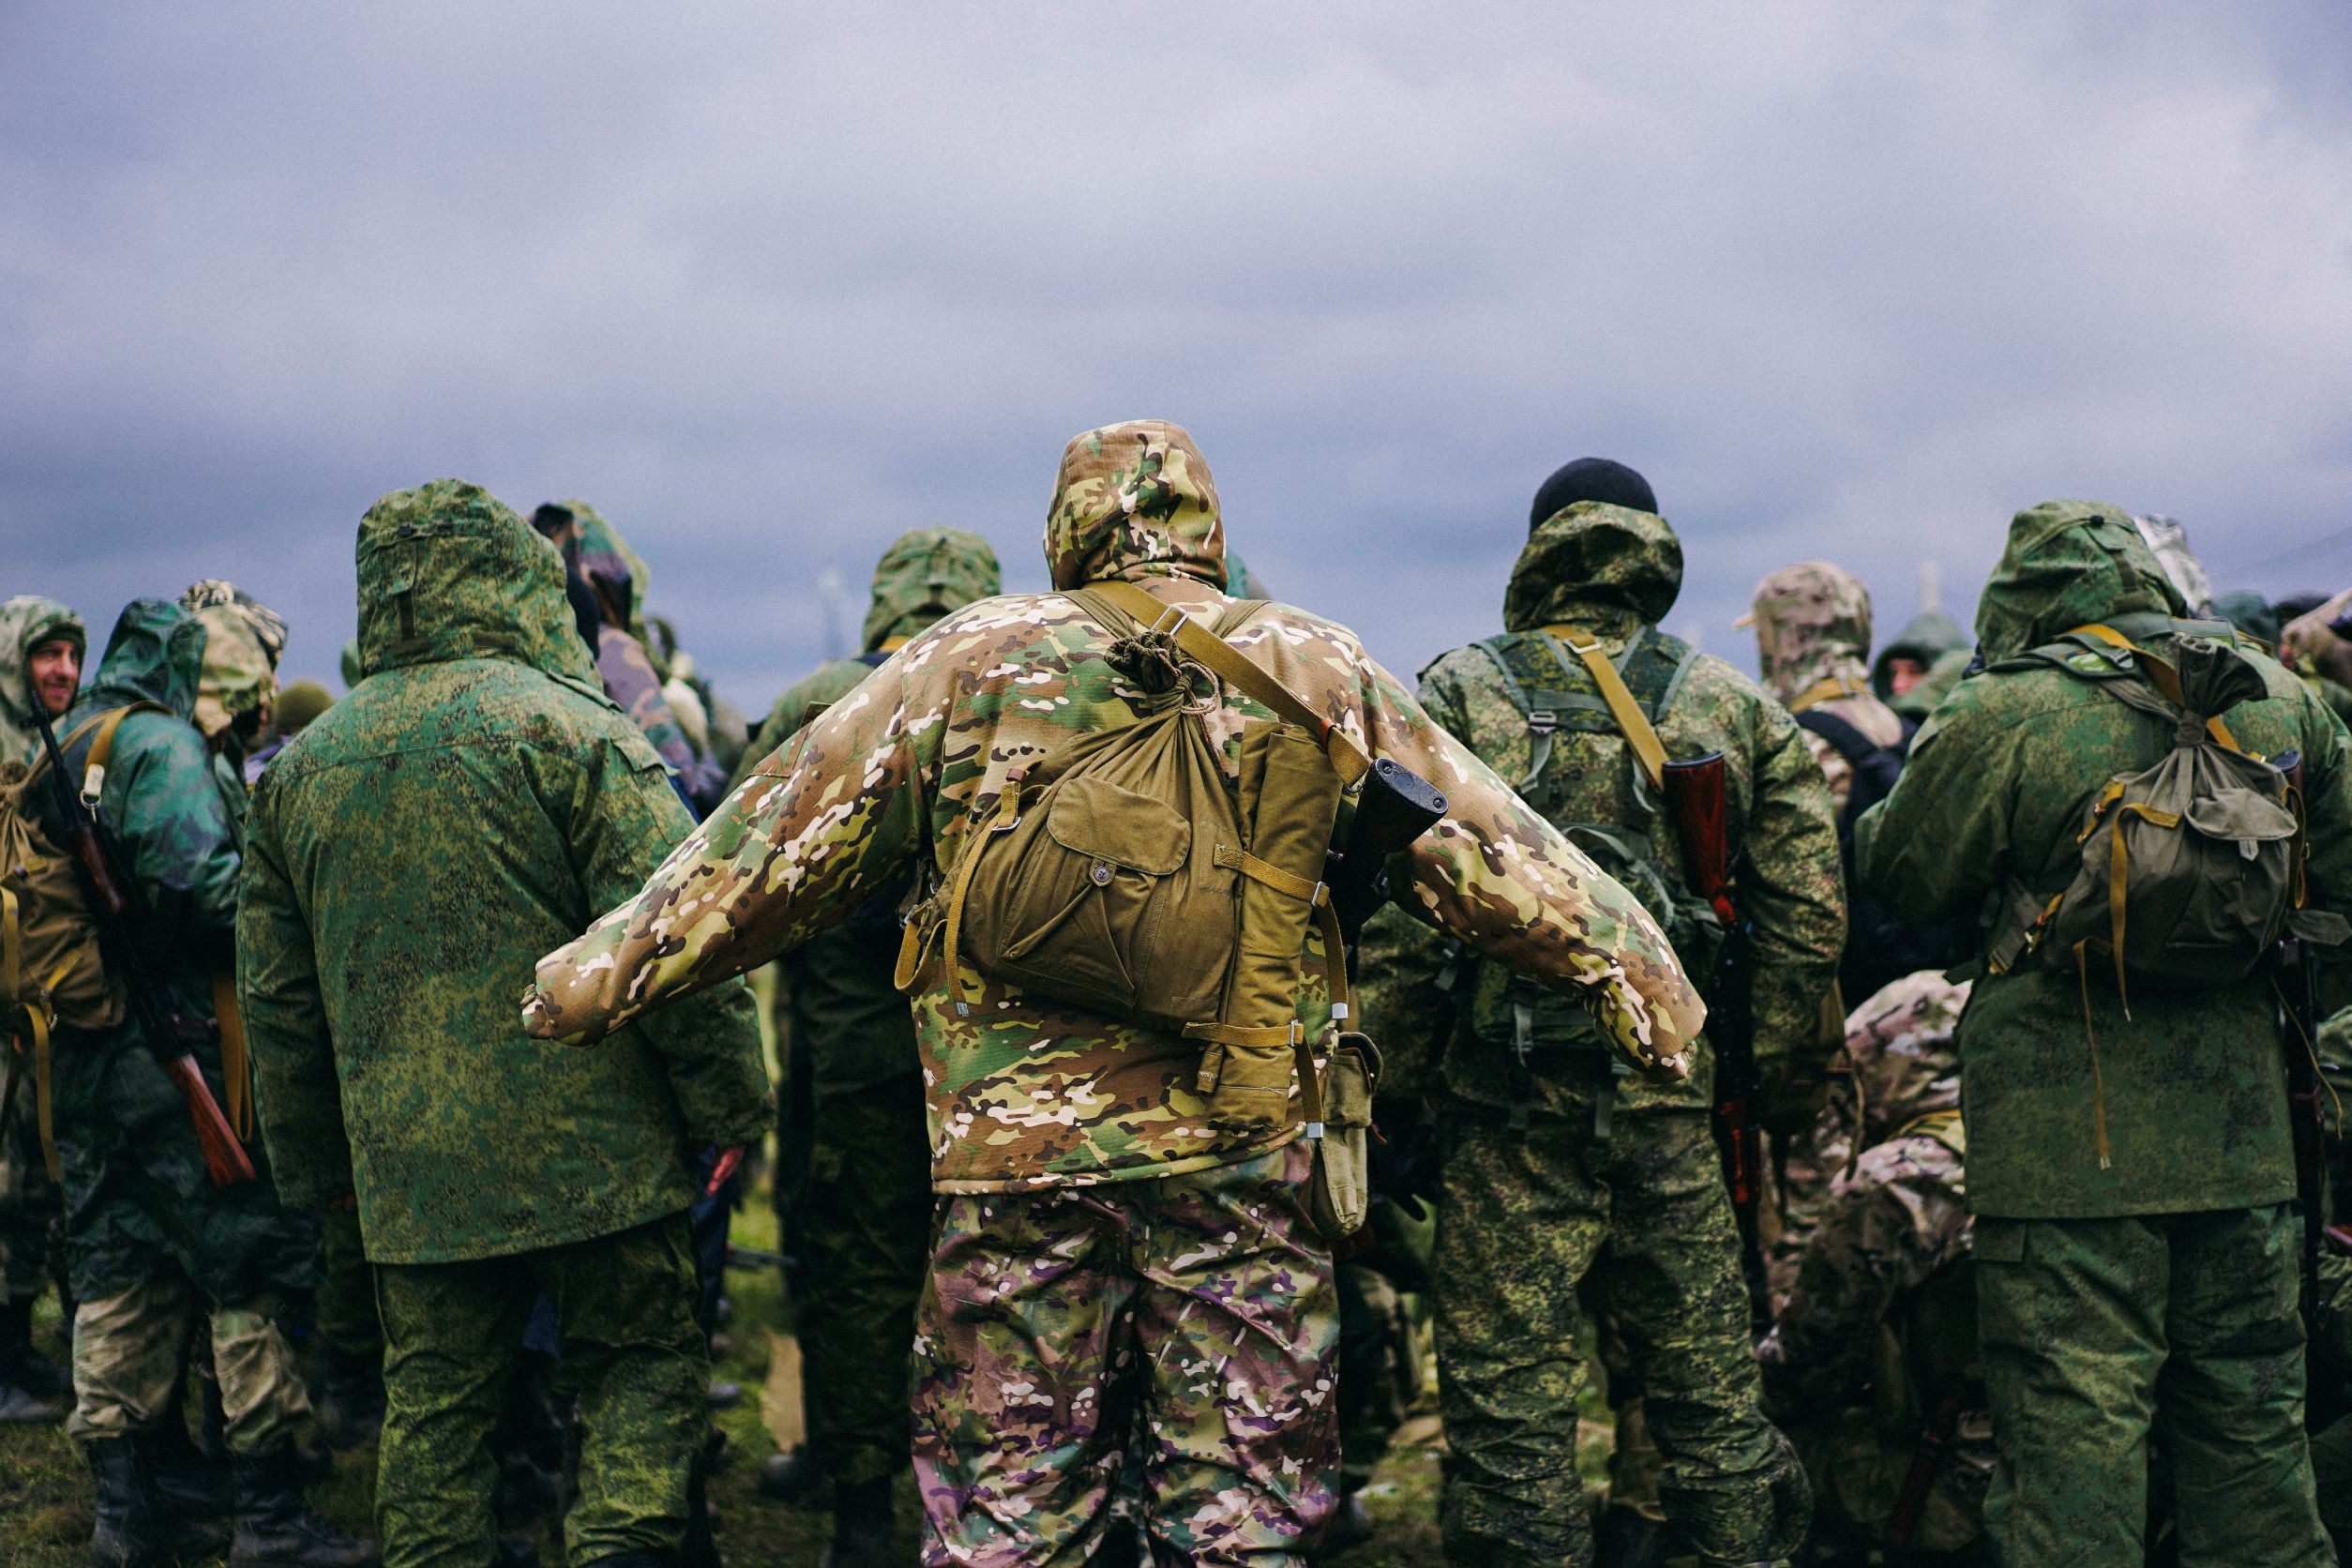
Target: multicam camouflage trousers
<point>1199,1305</point>
<point>452,1334</point>
<point>1525,1215</point>
<point>2089,1328</point>
<point>130,1358</point>
<point>860,1238</point>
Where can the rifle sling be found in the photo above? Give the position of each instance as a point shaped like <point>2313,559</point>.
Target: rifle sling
<point>1637,729</point>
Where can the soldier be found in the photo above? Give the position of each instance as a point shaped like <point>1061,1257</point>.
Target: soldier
<point>474,796</point>
<point>236,697</point>
<point>154,1249</point>
<point>860,1212</point>
<point>41,645</point>
<point>1105,1246</point>
<point>1559,1173</point>
<point>613,580</point>
<point>1904,665</point>
<point>2130,1167</point>
<point>1869,1366</point>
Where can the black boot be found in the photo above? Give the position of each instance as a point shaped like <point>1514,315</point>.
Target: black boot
<point>23,1367</point>
<point>275,1524</point>
<point>863,1521</point>
<point>190,1482</point>
<point>135,1528</point>
<point>351,1397</point>
<point>641,1558</point>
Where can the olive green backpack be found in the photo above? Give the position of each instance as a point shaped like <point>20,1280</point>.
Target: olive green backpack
<point>1122,875</point>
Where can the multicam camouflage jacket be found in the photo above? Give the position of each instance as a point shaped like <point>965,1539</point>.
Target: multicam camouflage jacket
<point>26,622</point>
<point>894,777</point>
<point>472,802</point>
<point>1989,808</point>
<point>1614,573</point>
<point>1813,641</point>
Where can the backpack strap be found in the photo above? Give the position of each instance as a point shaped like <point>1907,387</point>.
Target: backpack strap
<point>102,750</point>
<point>2159,672</point>
<point>1827,689</point>
<point>1631,721</point>
<point>1541,707</point>
<point>1227,664</point>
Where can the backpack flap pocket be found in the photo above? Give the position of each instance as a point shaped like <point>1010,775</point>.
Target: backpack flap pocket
<point>1339,1196</point>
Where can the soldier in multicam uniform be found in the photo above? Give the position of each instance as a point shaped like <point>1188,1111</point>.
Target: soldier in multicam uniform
<point>237,696</point>
<point>2132,1219</point>
<point>154,1250</point>
<point>1868,1366</point>
<point>379,937</point>
<point>1104,1252</point>
<point>858,1199</point>
<point>1558,1174</point>
<point>41,649</point>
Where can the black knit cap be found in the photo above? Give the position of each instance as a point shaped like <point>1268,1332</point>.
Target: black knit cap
<point>1592,480</point>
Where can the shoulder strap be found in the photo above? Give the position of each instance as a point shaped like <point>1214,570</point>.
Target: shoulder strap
<point>1826,689</point>
<point>1226,663</point>
<point>1635,726</point>
<point>2160,674</point>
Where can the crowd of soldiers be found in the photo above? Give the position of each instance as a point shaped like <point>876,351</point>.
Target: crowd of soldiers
<point>1037,1256</point>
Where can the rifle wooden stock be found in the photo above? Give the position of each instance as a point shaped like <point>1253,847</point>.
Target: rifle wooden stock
<point>1697,803</point>
<point>225,1160</point>
<point>1928,1461</point>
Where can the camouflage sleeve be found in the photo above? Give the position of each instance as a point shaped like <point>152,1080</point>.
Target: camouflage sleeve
<point>828,683</point>
<point>1882,1230</point>
<point>170,824</point>
<point>2327,822</point>
<point>1792,892</point>
<point>801,843</point>
<point>1835,771</point>
<point>618,817</point>
<point>1498,875</point>
<point>1929,849</point>
<point>296,1091</point>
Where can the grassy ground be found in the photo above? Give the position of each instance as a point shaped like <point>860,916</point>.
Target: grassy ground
<point>45,1491</point>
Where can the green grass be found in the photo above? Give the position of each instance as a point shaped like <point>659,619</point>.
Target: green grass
<point>45,1490</point>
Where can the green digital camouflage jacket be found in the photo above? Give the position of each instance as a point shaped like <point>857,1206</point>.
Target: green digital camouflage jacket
<point>1614,572</point>
<point>893,777</point>
<point>1993,800</point>
<point>850,1022</point>
<point>1813,646</point>
<point>26,622</point>
<point>472,801</point>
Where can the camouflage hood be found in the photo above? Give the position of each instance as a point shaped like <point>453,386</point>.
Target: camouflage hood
<point>1134,500</point>
<point>1901,1050</point>
<point>156,655</point>
<point>1603,567</point>
<point>924,574</point>
<point>26,622</point>
<point>2068,562</point>
<point>1925,638</point>
<point>242,642</point>
<point>1812,624</point>
<point>617,572</point>
<point>446,571</point>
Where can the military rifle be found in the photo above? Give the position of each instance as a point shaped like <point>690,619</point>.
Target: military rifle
<point>1696,801</point>
<point>1927,1462</point>
<point>1395,807</point>
<point>2296,967</point>
<point>113,898</point>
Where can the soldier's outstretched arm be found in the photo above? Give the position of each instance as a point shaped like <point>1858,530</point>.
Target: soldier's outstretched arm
<point>298,1095</point>
<point>1506,882</point>
<point>799,845</point>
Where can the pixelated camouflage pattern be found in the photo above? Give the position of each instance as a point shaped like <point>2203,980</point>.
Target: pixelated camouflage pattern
<point>1813,646</point>
<point>1995,789</point>
<point>926,573</point>
<point>32,1207</point>
<point>131,1361</point>
<point>2331,1380</point>
<point>2089,1326</point>
<point>632,1355</point>
<point>1788,878</point>
<point>1199,1305</point>
<point>243,641</point>
<point>1025,1094</point>
<point>470,802</point>
<point>1530,1222</point>
<point>26,622</point>
<point>1840,1346</point>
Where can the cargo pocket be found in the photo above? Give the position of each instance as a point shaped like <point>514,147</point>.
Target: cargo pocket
<point>1340,1193</point>
<point>1078,907</point>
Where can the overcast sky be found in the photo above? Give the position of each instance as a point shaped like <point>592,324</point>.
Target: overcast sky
<point>770,284</point>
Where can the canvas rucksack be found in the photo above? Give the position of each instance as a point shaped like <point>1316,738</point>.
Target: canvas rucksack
<point>1123,875</point>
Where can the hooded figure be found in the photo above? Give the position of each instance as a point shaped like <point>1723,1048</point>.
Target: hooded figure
<point>1876,1326</point>
<point>244,640</point>
<point>26,622</point>
<point>2182,1222</point>
<point>504,798</point>
<point>154,1250</point>
<point>1928,638</point>
<point>1530,1217</point>
<point>1065,1134</point>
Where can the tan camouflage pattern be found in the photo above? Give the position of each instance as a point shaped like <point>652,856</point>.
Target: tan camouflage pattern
<point>895,776</point>
<point>1813,627</point>
<point>244,640</point>
<point>130,1358</point>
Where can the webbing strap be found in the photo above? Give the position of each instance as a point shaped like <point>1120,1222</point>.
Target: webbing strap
<point>1828,689</point>
<point>2160,674</point>
<point>1622,707</point>
<point>1270,875</point>
<point>11,953</point>
<point>1229,665</point>
<point>237,1064</point>
<point>1008,815</point>
<point>102,748</point>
